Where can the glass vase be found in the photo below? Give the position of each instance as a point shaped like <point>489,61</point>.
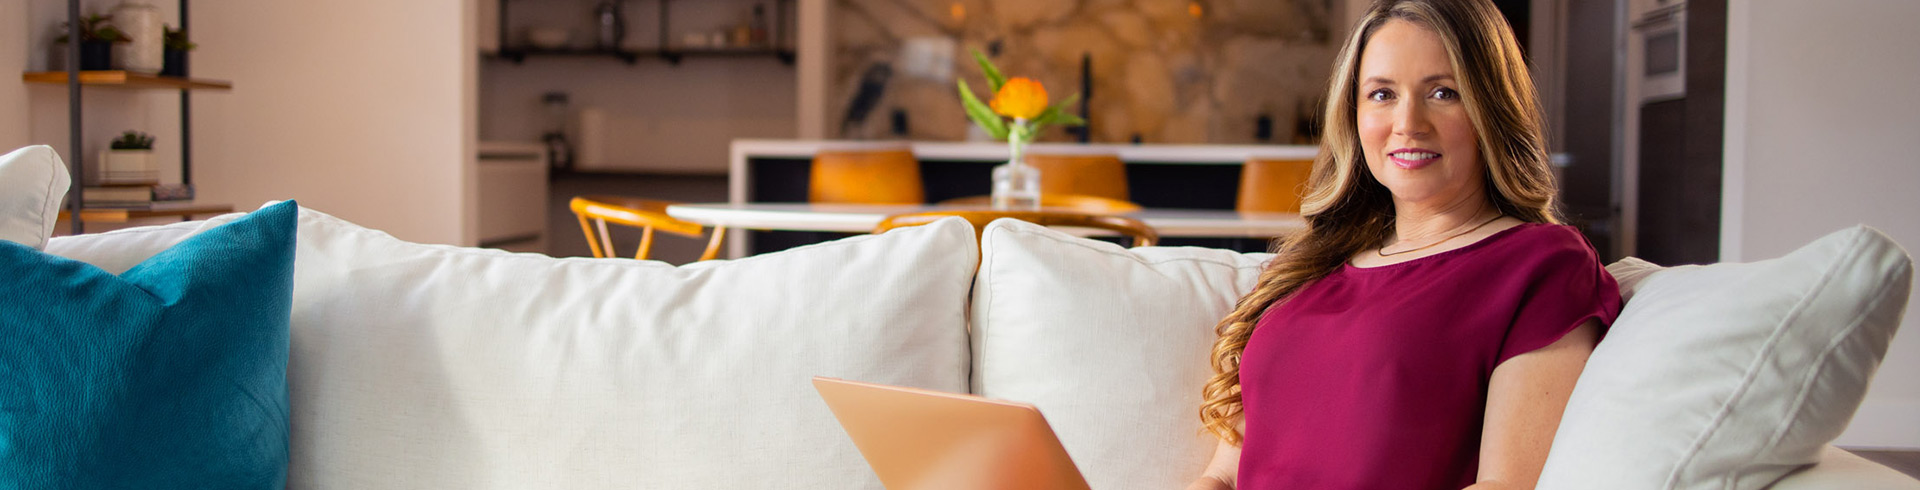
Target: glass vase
<point>1016,186</point>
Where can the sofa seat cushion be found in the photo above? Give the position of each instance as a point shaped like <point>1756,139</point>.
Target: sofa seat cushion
<point>428,366</point>
<point>1729,376</point>
<point>170,375</point>
<point>1111,344</point>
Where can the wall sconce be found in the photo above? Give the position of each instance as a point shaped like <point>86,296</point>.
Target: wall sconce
<point>1194,9</point>
<point>959,12</point>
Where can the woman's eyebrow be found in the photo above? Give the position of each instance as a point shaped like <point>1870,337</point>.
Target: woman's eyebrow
<point>1389,81</point>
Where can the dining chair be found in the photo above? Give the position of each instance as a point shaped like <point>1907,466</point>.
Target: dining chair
<point>1098,175</point>
<point>645,214</point>
<point>1273,186</point>
<point>1142,234</point>
<point>1060,202</point>
<point>879,175</point>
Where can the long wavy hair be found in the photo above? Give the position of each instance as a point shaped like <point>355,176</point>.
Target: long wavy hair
<point>1347,211</point>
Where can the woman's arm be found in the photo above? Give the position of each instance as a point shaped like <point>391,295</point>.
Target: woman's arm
<point>1222,471</point>
<point>1524,401</point>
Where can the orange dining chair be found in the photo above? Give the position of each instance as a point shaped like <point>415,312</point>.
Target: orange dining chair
<point>886,175</point>
<point>1060,202</point>
<point>1143,235</point>
<point>645,214</point>
<point>1273,186</point>
<point>1098,175</point>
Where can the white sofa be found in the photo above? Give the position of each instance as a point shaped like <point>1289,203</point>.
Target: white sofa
<point>428,366</point>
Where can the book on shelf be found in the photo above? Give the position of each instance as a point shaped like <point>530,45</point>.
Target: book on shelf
<point>134,195</point>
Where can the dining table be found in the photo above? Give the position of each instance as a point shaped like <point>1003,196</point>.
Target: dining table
<point>862,218</point>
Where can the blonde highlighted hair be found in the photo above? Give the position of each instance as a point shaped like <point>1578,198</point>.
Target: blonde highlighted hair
<point>1347,211</point>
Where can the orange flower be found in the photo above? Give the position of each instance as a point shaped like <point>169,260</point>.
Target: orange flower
<point>1020,98</point>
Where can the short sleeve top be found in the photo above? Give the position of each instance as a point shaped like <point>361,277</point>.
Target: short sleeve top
<point>1377,377</point>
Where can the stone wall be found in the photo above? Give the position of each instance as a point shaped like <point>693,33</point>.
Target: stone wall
<point>1166,71</point>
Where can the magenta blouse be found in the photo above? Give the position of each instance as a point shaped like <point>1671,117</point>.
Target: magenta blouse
<point>1376,378</point>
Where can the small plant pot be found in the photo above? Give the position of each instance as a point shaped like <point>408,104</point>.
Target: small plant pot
<point>128,167</point>
<point>175,64</point>
<point>96,55</point>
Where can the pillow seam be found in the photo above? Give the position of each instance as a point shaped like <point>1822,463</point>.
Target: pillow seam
<point>1753,368</point>
<point>47,198</point>
<point>1880,296</point>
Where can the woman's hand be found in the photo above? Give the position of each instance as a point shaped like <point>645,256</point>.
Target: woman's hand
<point>1222,470</point>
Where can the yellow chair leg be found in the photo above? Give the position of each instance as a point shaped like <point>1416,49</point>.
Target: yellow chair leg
<point>646,243</point>
<point>713,245</point>
<point>592,243</point>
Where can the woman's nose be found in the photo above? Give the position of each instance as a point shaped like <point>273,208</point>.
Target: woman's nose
<point>1410,120</point>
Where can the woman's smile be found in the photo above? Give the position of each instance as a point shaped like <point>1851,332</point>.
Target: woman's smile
<point>1413,158</point>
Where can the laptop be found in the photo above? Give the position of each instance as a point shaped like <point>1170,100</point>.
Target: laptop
<point>920,439</point>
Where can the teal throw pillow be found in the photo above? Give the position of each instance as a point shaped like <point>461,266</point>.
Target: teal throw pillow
<point>171,375</point>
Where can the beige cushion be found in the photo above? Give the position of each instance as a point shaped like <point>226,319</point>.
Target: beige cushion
<point>428,366</point>
<point>1839,469</point>
<point>1111,344</point>
<point>1728,376</point>
<point>33,182</point>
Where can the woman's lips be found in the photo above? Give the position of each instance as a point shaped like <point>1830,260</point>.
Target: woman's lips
<point>1412,158</point>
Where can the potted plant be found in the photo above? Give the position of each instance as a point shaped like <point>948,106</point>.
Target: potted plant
<point>97,38</point>
<point>177,46</point>
<point>129,161</point>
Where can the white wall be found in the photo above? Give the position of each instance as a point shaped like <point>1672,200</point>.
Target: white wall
<point>358,108</point>
<point>13,58</point>
<point>1821,117</point>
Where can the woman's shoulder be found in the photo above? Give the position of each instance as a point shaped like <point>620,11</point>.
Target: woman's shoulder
<point>1548,242</point>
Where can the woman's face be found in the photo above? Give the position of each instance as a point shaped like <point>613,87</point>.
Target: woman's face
<point>1413,125</point>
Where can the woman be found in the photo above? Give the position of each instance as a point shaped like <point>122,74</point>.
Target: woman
<point>1427,328</point>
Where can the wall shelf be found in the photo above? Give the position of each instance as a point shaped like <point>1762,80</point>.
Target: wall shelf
<point>74,79</point>
<point>127,79</point>
<point>183,210</point>
<point>672,55</point>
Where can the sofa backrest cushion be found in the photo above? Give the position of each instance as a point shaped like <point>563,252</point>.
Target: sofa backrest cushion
<point>428,366</point>
<point>171,374</point>
<point>1729,376</point>
<point>1111,344</point>
<point>32,182</point>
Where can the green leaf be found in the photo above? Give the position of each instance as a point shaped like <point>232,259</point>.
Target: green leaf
<point>994,78</point>
<point>981,114</point>
<point>1057,114</point>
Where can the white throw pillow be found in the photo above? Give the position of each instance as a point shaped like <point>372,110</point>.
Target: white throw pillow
<point>1111,344</point>
<point>429,366</point>
<point>1728,376</point>
<point>33,181</point>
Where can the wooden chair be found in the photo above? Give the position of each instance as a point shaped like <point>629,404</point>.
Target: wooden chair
<point>645,214</point>
<point>1095,175</point>
<point>874,176</point>
<point>1143,235</point>
<point>1273,186</point>
<point>1060,202</point>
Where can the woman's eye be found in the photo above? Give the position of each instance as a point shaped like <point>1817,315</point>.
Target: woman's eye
<point>1444,93</point>
<point>1380,95</point>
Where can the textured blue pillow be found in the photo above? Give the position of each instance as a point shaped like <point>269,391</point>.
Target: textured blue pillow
<point>171,375</point>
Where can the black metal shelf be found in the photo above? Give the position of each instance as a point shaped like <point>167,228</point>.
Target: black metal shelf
<point>74,78</point>
<point>672,55</point>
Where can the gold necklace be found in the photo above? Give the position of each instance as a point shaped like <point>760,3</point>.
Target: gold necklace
<point>1382,251</point>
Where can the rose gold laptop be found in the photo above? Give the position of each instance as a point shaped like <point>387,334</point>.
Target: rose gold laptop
<point>918,439</point>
